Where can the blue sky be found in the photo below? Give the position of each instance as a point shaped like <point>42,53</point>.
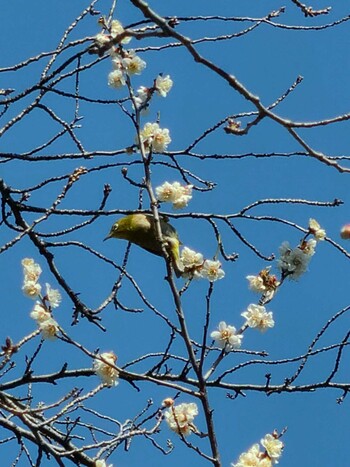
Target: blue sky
<point>267,61</point>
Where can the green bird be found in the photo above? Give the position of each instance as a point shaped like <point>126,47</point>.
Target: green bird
<point>140,229</point>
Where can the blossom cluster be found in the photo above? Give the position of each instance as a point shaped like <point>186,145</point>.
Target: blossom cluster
<point>180,417</point>
<point>42,310</point>
<point>153,137</point>
<point>228,337</point>
<point>175,193</point>
<point>195,266</point>
<point>293,262</point>
<point>273,447</point>
<point>104,367</point>
<point>126,63</point>
<point>193,262</point>
<point>264,283</point>
<point>116,29</point>
<point>162,86</point>
<point>316,230</point>
<point>31,271</point>
<point>43,317</point>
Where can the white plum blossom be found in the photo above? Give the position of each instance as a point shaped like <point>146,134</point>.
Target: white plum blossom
<point>53,296</point>
<point>142,96</point>
<point>153,136</point>
<point>264,283</point>
<point>163,84</point>
<point>233,127</point>
<point>256,458</point>
<point>106,369</point>
<point>167,192</point>
<point>102,39</point>
<point>256,284</point>
<point>102,463</point>
<point>175,193</point>
<point>226,336</point>
<point>191,258</point>
<point>126,64</point>
<point>133,64</point>
<point>180,418</point>
<point>309,247</point>
<point>192,262</point>
<point>316,230</point>
<point>148,131</point>
<point>117,62</point>
<point>40,313</point>
<point>31,270</point>
<point>183,200</point>
<point>160,139</point>
<point>294,262</point>
<point>31,289</point>
<point>211,270</point>
<point>253,458</point>
<point>116,29</point>
<point>116,79</point>
<point>47,325</point>
<point>49,329</point>
<point>257,317</point>
<point>273,447</point>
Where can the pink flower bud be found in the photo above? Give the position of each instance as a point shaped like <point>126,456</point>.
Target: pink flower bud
<point>345,232</point>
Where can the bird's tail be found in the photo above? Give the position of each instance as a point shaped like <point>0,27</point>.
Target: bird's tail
<point>174,253</point>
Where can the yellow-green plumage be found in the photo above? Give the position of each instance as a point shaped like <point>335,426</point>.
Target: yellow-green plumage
<point>140,229</point>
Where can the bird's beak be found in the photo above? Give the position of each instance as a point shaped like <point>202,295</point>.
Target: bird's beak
<point>108,236</point>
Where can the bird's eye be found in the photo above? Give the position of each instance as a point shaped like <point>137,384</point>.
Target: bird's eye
<point>115,227</point>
